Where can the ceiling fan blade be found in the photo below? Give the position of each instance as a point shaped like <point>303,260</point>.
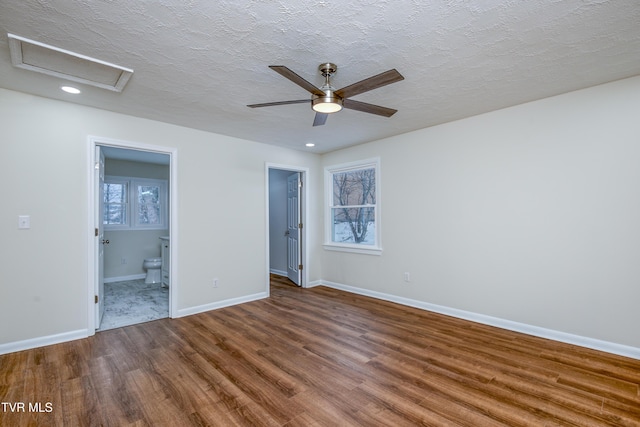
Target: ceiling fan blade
<point>271,104</point>
<point>368,108</point>
<point>371,83</point>
<point>320,119</point>
<point>288,74</point>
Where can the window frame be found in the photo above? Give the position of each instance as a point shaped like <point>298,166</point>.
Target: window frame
<point>329,172</point>
<point>133,203</point>
<point>127,212</point>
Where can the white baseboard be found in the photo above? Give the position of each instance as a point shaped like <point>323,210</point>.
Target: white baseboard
<point>314,283</point>
<point>124,278</point>
<point>83,333</point>
<point>278,272</point>
<point>220,304</point>
<point>595,344</point>
<point>606,346</point>
<point>43,341</point>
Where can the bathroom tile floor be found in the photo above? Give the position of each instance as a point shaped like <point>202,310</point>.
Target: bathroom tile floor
<point>130,302</point>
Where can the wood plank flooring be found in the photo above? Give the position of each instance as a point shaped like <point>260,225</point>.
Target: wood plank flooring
<point>317,357</point>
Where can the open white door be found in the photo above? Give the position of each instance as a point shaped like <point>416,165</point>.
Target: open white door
<point>294,228</point>
<point>99,241</point>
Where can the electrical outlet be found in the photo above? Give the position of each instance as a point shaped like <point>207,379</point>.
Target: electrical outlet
<point>24,222</point>
<point>123,261</point>
<point>407,277</point>
<point>215,282</point>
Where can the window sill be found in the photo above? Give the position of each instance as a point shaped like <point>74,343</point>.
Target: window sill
<point>359,249</point>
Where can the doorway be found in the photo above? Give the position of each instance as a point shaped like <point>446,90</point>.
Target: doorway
<point>127,282</point>
<point>287,208</point>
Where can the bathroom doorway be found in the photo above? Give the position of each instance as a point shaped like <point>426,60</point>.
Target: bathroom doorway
<point>287,203</point>
<point>135,218</point>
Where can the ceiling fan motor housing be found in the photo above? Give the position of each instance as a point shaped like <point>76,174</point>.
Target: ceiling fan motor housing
<point>329,102</point>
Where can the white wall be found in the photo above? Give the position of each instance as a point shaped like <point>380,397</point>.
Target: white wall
<point>43,165</point>
<point>133,247</point>
<point>530,214</point>
<point>128,168</point>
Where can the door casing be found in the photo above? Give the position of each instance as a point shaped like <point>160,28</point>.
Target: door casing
<point>92,268</point>
<point>100,242</point>
<point>304,195</point>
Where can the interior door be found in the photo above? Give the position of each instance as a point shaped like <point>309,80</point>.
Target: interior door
<point>294,228</point>
<point>100,240</point>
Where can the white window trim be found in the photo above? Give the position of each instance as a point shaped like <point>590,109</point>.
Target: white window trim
<point>375,249</point>
<point>127,182</point>
<point>132,203</point>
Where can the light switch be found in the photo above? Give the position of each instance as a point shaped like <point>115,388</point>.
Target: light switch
<point>24,222</point>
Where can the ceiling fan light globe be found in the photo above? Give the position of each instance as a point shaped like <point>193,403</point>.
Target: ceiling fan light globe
<point>326,104</point>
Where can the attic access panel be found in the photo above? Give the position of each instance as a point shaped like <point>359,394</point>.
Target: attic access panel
<point>53,61</point>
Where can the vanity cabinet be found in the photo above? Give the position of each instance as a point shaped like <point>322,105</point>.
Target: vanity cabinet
<point>165,253</point>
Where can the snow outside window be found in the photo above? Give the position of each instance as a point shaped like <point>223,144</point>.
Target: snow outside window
<point>116,203</point>
<point>135,204</point>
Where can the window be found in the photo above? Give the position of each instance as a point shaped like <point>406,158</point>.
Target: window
<point>148,206</point>
<point>135,204</point>
<point>353,207</point>
<point>116,202</point>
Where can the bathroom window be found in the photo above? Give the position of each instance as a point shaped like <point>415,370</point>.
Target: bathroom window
<point>116,203</point>
<point>353,207</point>
<point>135,204</point>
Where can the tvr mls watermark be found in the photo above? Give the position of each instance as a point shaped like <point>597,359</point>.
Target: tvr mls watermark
<point>27,407</point>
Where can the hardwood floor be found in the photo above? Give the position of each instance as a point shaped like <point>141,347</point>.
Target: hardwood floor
<point>317,357</point>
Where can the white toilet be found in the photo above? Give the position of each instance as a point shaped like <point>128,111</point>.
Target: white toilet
<point>153,266</point>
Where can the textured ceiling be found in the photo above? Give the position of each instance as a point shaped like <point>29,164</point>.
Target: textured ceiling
<point>199,63</point>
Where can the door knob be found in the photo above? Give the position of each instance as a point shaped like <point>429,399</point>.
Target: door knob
<point>286,233</point>
<point>105,242</point>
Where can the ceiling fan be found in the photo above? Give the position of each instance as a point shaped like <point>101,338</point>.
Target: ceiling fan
<point>326,99</point>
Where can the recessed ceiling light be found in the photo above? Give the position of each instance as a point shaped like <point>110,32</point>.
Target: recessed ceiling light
<point>310,144</point>
<point>70,89</point>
